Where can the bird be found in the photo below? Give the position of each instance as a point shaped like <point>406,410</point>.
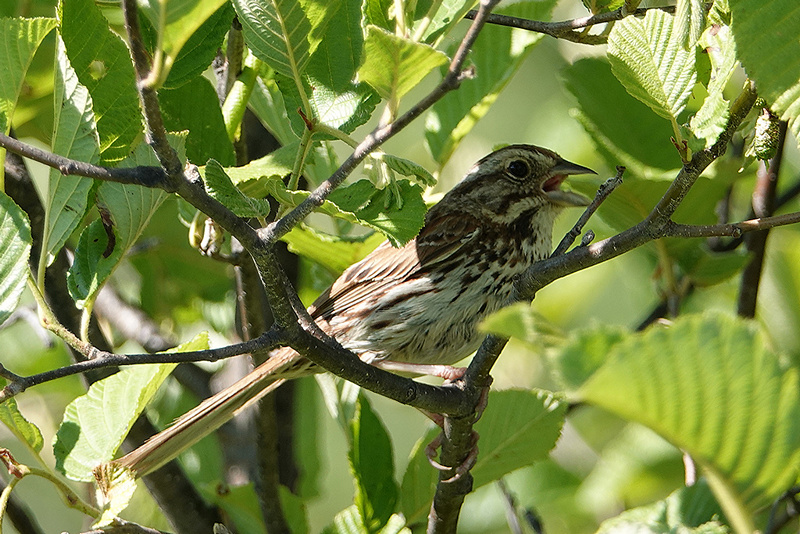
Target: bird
<point>414,309</point>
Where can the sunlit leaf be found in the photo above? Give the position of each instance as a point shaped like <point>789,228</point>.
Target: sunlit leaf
<point>710,385</point>
<point>95,424</point>
<point>652,63</point>
<point>74,136</point>
<point>19,39</point>
<point>393,65</point>
<point>15,249</point>
<point>102,62</point>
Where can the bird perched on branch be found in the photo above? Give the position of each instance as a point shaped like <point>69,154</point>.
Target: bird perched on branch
<point>416,308</point>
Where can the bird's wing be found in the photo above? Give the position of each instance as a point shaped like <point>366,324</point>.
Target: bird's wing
<point>387,265</point>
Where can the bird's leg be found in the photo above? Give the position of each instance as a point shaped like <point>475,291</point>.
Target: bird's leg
<point>448,372</point>
<point>472,457</point>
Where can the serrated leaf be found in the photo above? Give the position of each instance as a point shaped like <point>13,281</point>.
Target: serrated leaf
<point>406,167</point>
<point>372,467</point>
<point>690,19</point>
<point>219,186</point>
<point>710,119</point>
<point>496,58</point>
<point>650,61</point>
<point>249,177</point>
<point>624,130</point>
<point>277,32</point>
<point>15,249</point>
<point>129,208</point>
<point>95,424</point>
<point>74,136</point>
<point>518,428</point>
<point>771,56</point>
<point>690,510</point>
<point>334,253</point>
<point>19,39</point>
<point>103,65</point>
<point>393,65</point>
<point>710,385</point>
<point>23,429</point>
<point>177,21</point>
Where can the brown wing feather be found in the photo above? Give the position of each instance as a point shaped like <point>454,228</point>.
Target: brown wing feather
<point>387,265</point>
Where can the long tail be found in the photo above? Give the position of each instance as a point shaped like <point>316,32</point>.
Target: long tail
<point>210,414</point>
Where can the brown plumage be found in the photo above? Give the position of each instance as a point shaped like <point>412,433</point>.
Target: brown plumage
<point>418,305</point>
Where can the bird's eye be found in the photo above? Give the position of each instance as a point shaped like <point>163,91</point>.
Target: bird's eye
<point>518,168</point>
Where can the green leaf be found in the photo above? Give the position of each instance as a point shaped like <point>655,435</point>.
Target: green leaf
<point>518,428</point>
<point>15,249</point>
<point>251,178</point>
<point>496,57</point>
<point>649,60</point>
<point>624,130</point>
<point>23,429</point>
<point>198,52</point>
<point>448,14</point>
<point>194,106</point>
<point>95,424</point>
<point>278,32</point>
<point>586,351</point>
<point>690,19</point>
<point>219,186</point>
<point>707,268</point>
<point>266,101</point>
<point>771,55</point>
<point>348,521</point>
<point>177,21</point>
<point>74,136</point>
<point>406,167</point>
<point>128,209</point>
<point>102,62</point>
<point>372,466</point>
<point>690,510</point>
<point>367,204</point>
<point>710,386</point>
<point>19,39</point>
<point>393,65</point>
<point>419,480</point>
<point>710,119</point>
<point>334,253</point>
<point>240,504</point>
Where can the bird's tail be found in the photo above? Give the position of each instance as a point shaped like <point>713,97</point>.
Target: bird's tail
<point>212,413</point>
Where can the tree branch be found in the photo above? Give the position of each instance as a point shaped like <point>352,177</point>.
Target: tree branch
<point>566,29</point>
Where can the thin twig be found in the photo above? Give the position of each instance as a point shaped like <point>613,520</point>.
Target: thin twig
<point>566,29</point>
<point>145,176</point>
<point>102,359</point>
<point>606,188</point>
<point>456,74</point>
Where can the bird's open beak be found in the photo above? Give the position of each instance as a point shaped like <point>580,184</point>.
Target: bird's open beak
<point>552,187</point>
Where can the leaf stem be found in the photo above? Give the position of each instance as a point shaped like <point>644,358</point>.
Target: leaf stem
<point>236,102</point>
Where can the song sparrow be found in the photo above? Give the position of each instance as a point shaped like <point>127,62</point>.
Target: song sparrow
<point>416,308</point>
